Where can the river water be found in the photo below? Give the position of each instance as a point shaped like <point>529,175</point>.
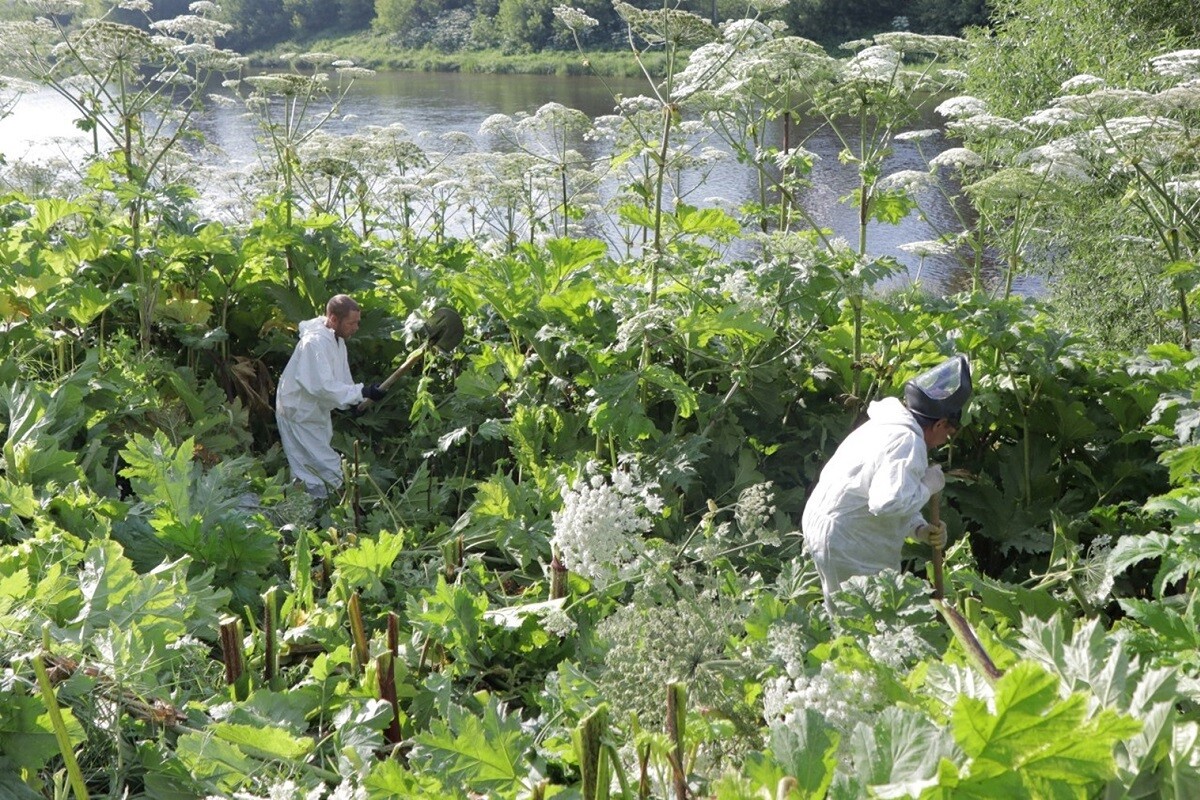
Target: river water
<point>40,127</point>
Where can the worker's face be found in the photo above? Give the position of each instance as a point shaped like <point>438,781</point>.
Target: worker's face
<point>345,327</point>
<point>939,433</point>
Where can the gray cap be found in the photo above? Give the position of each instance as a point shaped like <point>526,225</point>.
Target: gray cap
<point>941,392</point>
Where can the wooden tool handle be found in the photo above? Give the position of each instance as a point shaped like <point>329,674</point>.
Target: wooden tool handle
<point>395,376</point>
<point>935,517</point>
<point>403,368</point>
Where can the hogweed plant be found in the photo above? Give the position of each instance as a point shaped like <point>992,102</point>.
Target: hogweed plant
<point>137,90</point>
<point>598,532</point>
<point>558,173</point>
<point>291,108</point>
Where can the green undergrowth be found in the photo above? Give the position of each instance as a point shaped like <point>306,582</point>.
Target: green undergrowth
<point>376,51</point>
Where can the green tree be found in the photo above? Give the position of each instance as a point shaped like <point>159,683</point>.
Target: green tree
<point>524,25</point>
<point>1032,46</point>
<point>398,16</point>
<point>947,17</point>
<point>256,23</point>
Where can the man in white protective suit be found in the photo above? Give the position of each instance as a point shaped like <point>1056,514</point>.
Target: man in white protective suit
<point>315,381</point>
<point>869,496</point>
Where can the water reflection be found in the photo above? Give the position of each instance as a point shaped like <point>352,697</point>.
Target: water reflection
<point>433,104</point>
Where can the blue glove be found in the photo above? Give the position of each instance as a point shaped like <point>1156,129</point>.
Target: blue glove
<point>374,393</point>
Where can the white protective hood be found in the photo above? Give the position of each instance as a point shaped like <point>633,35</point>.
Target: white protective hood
<point>869,497</point>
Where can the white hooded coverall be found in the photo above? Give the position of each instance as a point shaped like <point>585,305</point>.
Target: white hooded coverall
<point>869,497</point>
<point>315,381</point>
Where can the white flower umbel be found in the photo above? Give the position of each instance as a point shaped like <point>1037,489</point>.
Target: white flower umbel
<point>957,158</point>
<point>877,64</point>
<point>574,18</point>
<point>843,697</point>
<point>928,248</point>
<point>1053,118</point>
<point>598,531</point>
<point>918,136</point>
<point>1179,64</point>
<point>1081,84</point>
<point>1182,98</point>
<point>909,181</point>
<point>987,126</point>
<point>962,106</point>
<point>1106,101</point>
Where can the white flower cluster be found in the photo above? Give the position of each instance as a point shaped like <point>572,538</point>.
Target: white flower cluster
<point>798,159</point>
<point>843,698</point>
<point>957,158</point>
<point>918,136</point>
<point>962,106</point>
<point>787,644</point>
<point>898,647</point>
<point>1056,117</point>
<point>1182,98</point>
<point>1081,83</point>
<point>574,18</point>
<point>555,620</point>
<point>634,329</point>
<point>985,125</point>
<point>1105,101</point>
<point>876,64</point>
<point>1179,64</point>
<point>598,531</point>
<point>909,181</point>
<point>928,248</point>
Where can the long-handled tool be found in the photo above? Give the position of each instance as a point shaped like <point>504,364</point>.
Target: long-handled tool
<point>935,518</point>
<point>445,329</point>
<point>958,623</point>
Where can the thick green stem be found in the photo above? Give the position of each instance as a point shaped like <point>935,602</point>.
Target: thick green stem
<point>74,774</point>
<point>676,732</point>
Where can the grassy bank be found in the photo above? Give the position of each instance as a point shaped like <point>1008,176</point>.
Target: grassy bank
<point>378,52</point>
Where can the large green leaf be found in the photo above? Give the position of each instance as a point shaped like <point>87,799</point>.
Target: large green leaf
<point>806,748</point>
<point>26,735</point>
<point>265,741</point>
<point>486,753</point>
<point>365,565</point>
<point>898,754</point>
<point>1034,742</point>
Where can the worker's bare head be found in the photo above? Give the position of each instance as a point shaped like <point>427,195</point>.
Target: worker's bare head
<point>342,315</point>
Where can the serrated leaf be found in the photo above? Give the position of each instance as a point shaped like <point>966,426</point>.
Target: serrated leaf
<point>211,759</point>
<point>484,753</point>
<point>1050,743</point>
<point>898,755</point>
<point>365,565</point>
<point>732,321</point>
<point>26,734</point>
<point>663,377</point>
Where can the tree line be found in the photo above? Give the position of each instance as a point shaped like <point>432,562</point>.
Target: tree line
<point>525,26</point>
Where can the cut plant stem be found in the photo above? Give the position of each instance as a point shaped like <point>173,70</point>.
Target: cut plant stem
<point>270,646</point>
<point>358,632</point>
<point>233,653</point>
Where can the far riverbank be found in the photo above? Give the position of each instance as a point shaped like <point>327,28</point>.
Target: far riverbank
<point>379,52</point>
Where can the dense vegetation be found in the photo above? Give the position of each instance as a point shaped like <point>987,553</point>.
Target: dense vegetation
<point>566,562</point>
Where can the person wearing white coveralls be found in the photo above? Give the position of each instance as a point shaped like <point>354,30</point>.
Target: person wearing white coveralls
<point>869,496</point>
<point>315,381</point>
